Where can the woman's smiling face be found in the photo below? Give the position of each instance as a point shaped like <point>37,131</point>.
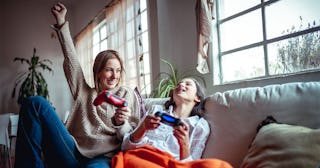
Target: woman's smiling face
<point>110,75</point>
<point>186,90</point>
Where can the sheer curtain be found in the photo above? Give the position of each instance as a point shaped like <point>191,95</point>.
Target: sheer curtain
<point>120,36</point>
<point>83,44</point>
<point>121,32</point>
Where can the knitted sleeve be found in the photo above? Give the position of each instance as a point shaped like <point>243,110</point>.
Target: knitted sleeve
<point>71,65</point>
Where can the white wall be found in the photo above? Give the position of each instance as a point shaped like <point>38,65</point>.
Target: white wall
<point>27,26</point>
<point>177,39</point>
<point>83,11</point>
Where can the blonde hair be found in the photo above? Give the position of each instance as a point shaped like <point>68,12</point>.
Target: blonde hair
<point>99,63</point>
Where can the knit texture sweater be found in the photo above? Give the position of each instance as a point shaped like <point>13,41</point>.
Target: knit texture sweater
<point>91,126</point>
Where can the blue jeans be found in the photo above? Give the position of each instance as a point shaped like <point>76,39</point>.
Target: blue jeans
<point>44,141</point>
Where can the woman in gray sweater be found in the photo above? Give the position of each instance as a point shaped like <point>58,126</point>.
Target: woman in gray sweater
<point>92,134</point>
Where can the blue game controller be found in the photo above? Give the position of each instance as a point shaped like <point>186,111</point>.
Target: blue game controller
<point>168,119</point>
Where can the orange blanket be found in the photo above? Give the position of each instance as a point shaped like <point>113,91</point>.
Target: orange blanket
<point>148,156</point>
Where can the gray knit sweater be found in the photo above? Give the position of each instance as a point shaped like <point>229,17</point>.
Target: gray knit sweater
<point>90,125</point>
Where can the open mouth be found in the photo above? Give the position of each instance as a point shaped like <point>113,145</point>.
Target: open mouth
<point>181,90</point>
<point>112,81</point>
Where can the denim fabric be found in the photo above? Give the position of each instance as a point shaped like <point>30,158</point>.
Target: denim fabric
<point>44,141</point>
<point>97,162</point>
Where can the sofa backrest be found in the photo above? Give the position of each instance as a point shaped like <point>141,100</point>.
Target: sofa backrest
<point>234,115</point>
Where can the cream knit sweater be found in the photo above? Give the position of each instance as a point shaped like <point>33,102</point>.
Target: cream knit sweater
<point>90,125</point>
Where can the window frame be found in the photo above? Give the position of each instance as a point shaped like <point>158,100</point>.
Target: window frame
<point>218,76</point>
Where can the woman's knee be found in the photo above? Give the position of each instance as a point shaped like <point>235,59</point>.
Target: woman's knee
<point>34,104</point>
<point>35,100</point>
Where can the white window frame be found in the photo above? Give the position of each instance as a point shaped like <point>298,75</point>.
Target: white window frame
<point>218,54</point>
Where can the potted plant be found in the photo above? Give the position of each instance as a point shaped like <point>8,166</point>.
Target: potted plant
<point>31,81</point>
<point>169,81</point>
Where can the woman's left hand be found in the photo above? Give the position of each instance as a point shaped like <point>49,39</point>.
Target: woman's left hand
<point>182,135</point>
<point>121,115</point>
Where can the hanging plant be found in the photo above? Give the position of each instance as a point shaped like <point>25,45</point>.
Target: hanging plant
<point>32,82</point>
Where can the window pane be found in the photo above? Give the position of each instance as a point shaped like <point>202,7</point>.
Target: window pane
<point>140,45</point>
<point>96,50</point>
<point>104,45</point>
<point>121,52</point>
<point>288,16</point>
<point>145,42</point>
<point>121,36</point>
<point>144,21</point>
<point>113,41</point>
<point>230,7</point>
<point>145,81</point>
<point>241,31</point>
<point>146,64</point>
<point>103,32</point>
<point>143,5</point>
<point>131,68</point>
<point>130,29</point>
<point>138,24</point>
<point>111,26</point>
<point>137,8</point>
<point>130,49</point>
<point>295,54</point>
<point>244,64</point>
<point>96,37</point>
<point>130,12</point>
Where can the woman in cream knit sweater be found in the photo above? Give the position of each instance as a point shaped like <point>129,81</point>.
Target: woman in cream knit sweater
<point>92,134</point>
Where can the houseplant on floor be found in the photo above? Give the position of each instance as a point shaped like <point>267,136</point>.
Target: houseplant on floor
<point>31,81</point>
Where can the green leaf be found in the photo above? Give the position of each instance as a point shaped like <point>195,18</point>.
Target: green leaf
<point>31,82</point>
<point>167,81</point>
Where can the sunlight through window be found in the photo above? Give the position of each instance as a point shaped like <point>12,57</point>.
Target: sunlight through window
<point>265,38</point>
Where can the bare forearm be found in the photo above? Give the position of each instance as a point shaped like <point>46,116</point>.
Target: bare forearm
<point>138,134</point>
<point>184,151</point>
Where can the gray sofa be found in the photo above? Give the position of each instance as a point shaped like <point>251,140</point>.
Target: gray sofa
<point>235,114</point>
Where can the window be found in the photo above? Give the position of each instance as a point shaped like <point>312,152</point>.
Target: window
<point>264,38</point>
<point>123,26</point>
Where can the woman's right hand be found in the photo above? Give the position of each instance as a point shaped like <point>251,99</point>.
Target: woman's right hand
<point>59,11</point>
<point>151,122</point>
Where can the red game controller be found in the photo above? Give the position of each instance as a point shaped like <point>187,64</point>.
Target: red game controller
<point>110,98</point>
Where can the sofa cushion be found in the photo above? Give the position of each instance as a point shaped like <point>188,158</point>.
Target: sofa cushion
<point>235,114</point>
<point>149,102</point>
<point>284,145</point>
